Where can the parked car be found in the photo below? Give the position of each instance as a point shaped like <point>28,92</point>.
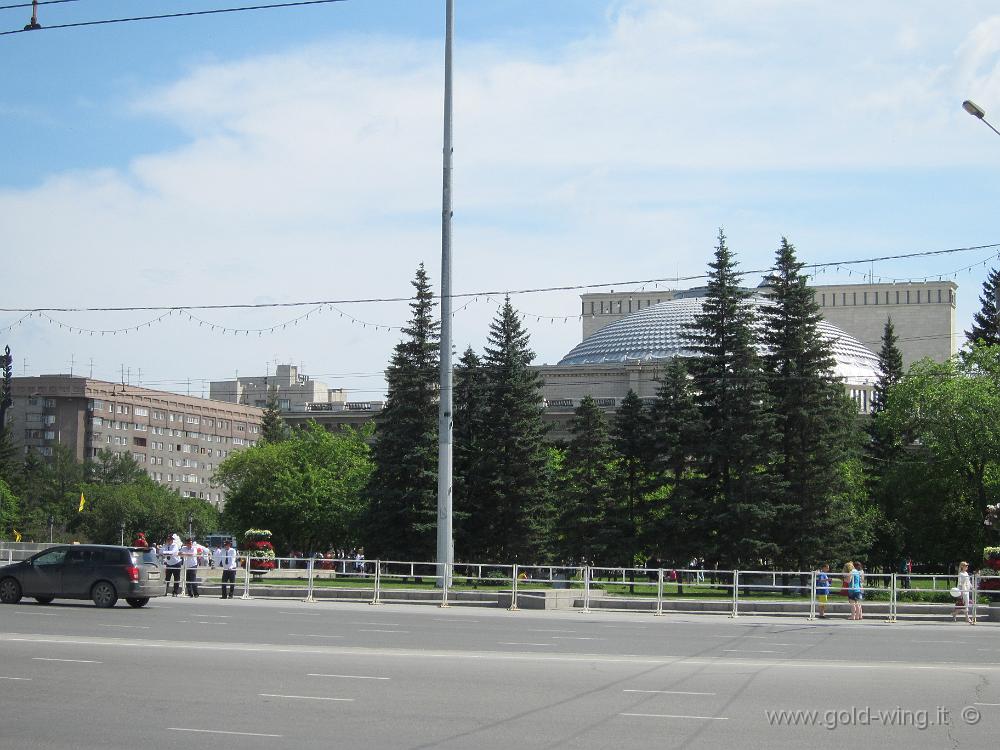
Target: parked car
<point>99,572</point>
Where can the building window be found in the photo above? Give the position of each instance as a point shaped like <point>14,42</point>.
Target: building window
<point>918,297</point>
<point>907,296</point>
<point>284,404</point>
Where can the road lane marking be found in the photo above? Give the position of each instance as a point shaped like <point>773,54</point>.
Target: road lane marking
<point>680,716</point>
<point>375,630</point>
<point>26,679</point>
<point>452,619</point>
<point>749,651</point>
<point>950,643</point>
<point>312,635</point>
<point>306,697</point>
<point>348,676</point>
<point>665,692</point>
<point>198,614</point>
<point>38,614</point>
<point>219,731</point>
<point>516,643</point>
<point>136,627</point>
<point>384,624</point>
<point>304,614</point>
<point>75,661</point>
<point>541,630</point>
<point>974,704</point>
<point>575,638</point>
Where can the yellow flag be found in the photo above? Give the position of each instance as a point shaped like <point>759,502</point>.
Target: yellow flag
<point>17,535</point>
<point>82,501</point>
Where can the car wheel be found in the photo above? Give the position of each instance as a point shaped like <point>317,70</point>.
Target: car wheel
<point>10,591</point>
<point>104,594</point>
<point>140,602</point>
<point>44,599</point>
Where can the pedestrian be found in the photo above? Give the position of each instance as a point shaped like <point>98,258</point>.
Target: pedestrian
<point>822,588</point>
<point>140,541</point>
<point>189,554</point>
<point>171,558</point>
<point>964,590</point>
<point>855,593</point>
<point>228,562</point>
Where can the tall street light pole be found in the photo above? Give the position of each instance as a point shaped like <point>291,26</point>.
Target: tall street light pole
<point>979,113</point>
<point>445,552</point>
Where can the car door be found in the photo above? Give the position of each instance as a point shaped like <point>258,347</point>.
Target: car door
<point>78,572</point>
<point>43,577</point>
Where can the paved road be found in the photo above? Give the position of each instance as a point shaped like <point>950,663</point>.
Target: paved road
<point>274,674</point>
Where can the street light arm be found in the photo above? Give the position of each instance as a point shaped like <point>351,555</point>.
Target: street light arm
<point>979,113</point>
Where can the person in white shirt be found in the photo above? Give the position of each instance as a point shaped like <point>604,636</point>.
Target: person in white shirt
<point>230,559</point>
<point>189,554</point>
<point>171,558</point>
<point>965,589</point>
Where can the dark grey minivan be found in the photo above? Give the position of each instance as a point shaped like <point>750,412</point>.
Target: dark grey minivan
<point>103,573</point>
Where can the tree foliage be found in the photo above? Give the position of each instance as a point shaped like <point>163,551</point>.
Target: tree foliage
<point>273,428</point>
<point>308,489</point>
<point>402,517</point>
<point>986,322</point>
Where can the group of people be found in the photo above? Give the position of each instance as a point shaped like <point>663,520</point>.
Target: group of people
<point>853,586</point>
<point>186,556</point>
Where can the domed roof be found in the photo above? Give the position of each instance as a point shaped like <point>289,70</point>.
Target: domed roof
<point>657,332</point>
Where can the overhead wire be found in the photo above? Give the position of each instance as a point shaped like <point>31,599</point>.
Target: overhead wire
<point>162,16</point>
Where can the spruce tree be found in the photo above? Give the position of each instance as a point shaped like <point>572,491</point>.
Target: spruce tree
<point>732,456</point>
<point>986,322</point>
<point>402,517</point>
<point>273,428</point>
<point>9,463</point>
<point>633,446</point>
<point>678,525</point>
<point>882,458</point>
<point>473,519</point>
<point>515,468</point>
<point>590,525</point>
<point>813,421</point>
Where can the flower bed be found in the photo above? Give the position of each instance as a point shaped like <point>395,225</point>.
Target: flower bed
<point>258,548</point>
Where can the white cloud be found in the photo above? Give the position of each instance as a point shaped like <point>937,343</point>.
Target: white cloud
<point>316,173</point>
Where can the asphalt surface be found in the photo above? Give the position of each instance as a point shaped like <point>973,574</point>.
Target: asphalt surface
<point>273,674</point>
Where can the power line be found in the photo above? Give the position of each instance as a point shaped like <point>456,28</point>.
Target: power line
<point>161,16</point>
<point>40,2</point>
<point>489,293</point>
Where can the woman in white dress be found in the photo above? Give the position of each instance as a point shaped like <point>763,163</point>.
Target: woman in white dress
<point>965,589</point>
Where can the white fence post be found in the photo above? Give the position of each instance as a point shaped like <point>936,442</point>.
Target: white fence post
<point>975,597</point>
<point>376,593</point>
<point>309,590</point>
<point>736,594</point>
<point>812,597</point>
<point>446,574</point>
<point>659,592</point>
<point>893,594</point>
<point>586,588</point>
<point>246,578</point>
<point>513,590</point>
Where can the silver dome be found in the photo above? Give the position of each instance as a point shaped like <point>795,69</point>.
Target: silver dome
<point>657,332</point>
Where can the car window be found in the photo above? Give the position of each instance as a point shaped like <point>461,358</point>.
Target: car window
<point>51,557</point>
<point>78,556</point>
<point>112,556</point>
<point>146,556</point>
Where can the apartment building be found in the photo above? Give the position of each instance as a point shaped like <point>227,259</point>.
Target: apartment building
<point>179,440</point>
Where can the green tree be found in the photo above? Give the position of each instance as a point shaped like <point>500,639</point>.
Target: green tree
<point>883,455</point>
<point>308,489</point>
<point>472,517</point>
<point>273,428</point>
<point>633,446</point>
<point>986,322</point>
<point>814,423</point>
<point>10,512</point>
<point>590,526</point>
<point>515,471</point>
<point>732,457</point>
<point>402,520</point>
<point>678,529</point>
<point>109,467</point>
<point>948,415</point>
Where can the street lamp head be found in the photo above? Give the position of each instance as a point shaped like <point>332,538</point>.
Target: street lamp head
<point>973,109</point>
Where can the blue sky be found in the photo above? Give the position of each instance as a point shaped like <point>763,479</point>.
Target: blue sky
<point>294,154</point>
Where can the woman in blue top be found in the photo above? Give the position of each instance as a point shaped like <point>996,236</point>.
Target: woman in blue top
<point>854,593</point>
<point>822,588</point>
